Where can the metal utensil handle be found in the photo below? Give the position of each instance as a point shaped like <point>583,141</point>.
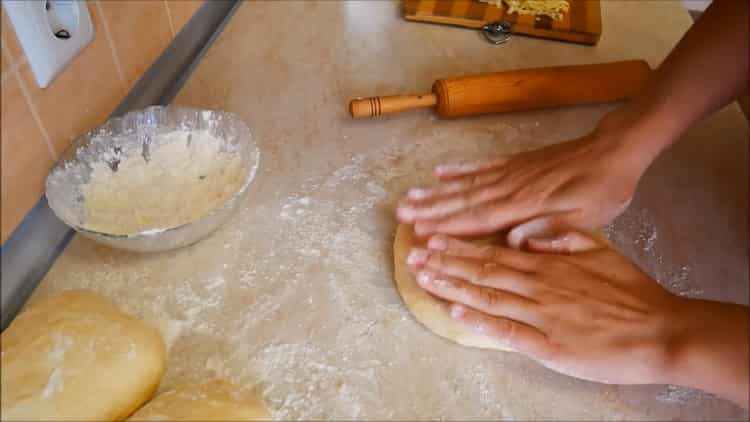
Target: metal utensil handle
<point>497,32</point>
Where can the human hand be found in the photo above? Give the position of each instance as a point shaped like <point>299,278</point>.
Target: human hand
<point>586,312</point>
<point>582,183</point>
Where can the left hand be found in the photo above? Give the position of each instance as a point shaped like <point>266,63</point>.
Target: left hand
<point>587,312</point>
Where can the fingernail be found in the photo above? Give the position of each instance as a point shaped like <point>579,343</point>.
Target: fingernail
<point>447,168</point>
<point>438,242</point>
<point>418,194</point>
<point>424,277</point>
<point>455,167</point>
<point>457,311</point>
<point>406,212</point>
<point>417,256</point>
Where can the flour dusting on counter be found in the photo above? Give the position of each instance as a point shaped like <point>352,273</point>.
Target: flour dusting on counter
<point>633,233</point>
<point>302,307</point>
<point>679,394</point>
<point>307,315</point>
<point>294,298</point>
<point>55,383</point>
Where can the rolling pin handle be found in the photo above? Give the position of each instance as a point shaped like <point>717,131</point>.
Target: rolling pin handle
<point>361,108</point>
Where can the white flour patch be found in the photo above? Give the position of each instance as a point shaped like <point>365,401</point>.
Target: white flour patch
<point>132,353</point>
<point>215,283</point>
<point>679,282</point>
<point>60,345</point>
<point>170,330</point>
<point>678,394</point>
<point>55,383</point>
<point>634,234</point>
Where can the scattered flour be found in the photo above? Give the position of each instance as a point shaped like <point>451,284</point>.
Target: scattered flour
<point>635,234</point>
<point>131,354</point>
<point>214,284</point>
<point>55,383</point>
<point>678,394</point>
<point>56,357</point>
<point>60,345</point>
<point>294,299</point>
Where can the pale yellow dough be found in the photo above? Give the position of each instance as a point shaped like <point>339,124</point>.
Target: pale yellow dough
<point>214,400</point>
<point>432,312</point>
<point>77,357</point>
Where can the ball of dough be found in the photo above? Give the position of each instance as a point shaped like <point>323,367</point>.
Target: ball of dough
<point>431,311</point>
<point>77,357</point>
<point>211,401</point>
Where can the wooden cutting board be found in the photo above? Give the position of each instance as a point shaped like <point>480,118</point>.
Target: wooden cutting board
<point>581,24</point>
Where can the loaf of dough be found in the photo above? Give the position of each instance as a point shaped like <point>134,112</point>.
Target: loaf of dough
<point>214,400</point>
<point>77,357</point>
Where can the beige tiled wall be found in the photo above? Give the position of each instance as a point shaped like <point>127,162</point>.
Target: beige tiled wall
<point>38,124</point>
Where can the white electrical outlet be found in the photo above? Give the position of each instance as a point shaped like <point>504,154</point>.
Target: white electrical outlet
<point>51,33</point>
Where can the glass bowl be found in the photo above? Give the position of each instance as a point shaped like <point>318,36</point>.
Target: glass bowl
<point>139,130</point>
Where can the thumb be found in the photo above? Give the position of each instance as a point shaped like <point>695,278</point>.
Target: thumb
<point>555,233</point>
<point>569,242</point>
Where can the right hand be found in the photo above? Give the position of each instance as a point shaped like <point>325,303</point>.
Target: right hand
<point>576,306</point>
<point>584,310</point>
<point>583,183</point>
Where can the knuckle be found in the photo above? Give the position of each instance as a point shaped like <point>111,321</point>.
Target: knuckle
<point>505,329</point>
<point>447,284</point>
<point>482,273</point>
<point>465,294</point>
<point>489,253</point>
<point>452,246</point>
<point>489,298</point>
<point>473,181</point>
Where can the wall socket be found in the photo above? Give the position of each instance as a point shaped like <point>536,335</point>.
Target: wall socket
<point>51,33</point>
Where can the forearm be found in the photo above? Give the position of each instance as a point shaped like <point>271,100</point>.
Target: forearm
<point>712,354</point>
<point>705,71</point>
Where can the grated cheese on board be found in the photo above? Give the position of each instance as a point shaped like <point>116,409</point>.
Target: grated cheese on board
<point>551,8</point>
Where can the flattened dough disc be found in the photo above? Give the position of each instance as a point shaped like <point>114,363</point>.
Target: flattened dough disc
<point>432,312</point>
<point>214,400</point>
<point>77,357</point>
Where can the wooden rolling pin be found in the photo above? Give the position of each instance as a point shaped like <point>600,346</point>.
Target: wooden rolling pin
<point>517,90</point>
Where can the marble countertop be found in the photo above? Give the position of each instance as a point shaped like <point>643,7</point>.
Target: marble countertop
<point>294,298</point>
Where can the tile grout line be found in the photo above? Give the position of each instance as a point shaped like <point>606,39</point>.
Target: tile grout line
<point>13,68</point>
<point>112,49</point>
<point>14,64</point>
<point>6,55</point>
<point>35,115</point>
<point>4,48</point>
<point>169,17</point>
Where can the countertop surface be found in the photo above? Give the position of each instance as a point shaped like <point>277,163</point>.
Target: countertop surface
<point>294,296</point>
